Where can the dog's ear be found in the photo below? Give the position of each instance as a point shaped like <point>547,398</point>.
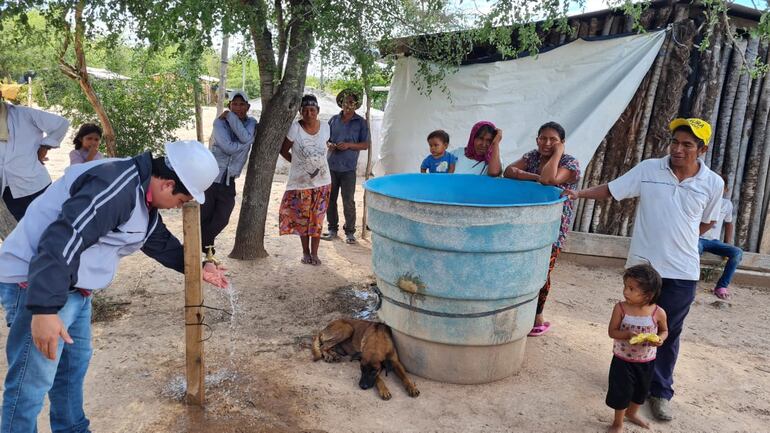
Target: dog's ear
<point>387,366</point>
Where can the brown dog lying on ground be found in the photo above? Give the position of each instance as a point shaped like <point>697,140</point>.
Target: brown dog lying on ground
<point>370,342</point>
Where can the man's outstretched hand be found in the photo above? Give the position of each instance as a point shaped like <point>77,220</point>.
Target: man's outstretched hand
<point>215,275</point>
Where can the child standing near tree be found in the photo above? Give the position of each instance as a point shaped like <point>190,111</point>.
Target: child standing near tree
<point>439,160</point>
<point>632,366</point>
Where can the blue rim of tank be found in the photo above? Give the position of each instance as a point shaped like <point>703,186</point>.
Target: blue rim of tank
<point>464,190</point>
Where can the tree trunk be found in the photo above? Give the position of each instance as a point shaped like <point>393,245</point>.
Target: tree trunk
<point>198,109</point>
<point>7,221</point>
<point>759,220</point>
<point>279,109</point>
<point>727,109</point>
<point>727,50</point>
<point>758,162</point>
<point>79,72</point>
<point>750,201</point>
<point>738,120</point>
<point>709,86</point>
<point>367,95</point>
<point>222,88</point>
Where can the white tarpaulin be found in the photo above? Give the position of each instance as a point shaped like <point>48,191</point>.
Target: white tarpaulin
<point>583,85</point>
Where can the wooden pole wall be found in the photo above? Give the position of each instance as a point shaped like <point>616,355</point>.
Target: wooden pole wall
<point>686,82</point>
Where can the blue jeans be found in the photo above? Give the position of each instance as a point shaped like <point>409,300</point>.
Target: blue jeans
<point>675,299</point>
<point>719,248</point>
<point>31,375</point>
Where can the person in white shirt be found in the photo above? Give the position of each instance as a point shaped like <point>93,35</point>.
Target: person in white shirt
<point>678,201</point>
<point>308,188</point>
<point>710,242</point>
<point>26,135</point>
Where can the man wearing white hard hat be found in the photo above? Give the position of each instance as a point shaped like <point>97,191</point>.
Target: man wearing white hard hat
<point>67,247</point>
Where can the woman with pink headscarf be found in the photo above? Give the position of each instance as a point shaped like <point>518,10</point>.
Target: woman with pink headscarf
<point>482,153</point>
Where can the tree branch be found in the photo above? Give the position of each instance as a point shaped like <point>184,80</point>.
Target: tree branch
<point>282,36</point>
<point>263,46</point>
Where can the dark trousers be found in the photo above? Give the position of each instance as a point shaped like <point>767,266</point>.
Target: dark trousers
<point>675,299</point>
<point>346,181</point>
<point>18,206</point>
<point>216,210</point>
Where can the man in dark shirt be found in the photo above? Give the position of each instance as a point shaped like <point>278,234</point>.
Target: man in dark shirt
<point>349,135</point>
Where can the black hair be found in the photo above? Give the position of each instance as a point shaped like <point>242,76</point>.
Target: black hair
<point>85,129</point>
<point>485,129</point>
<point>555,126</point>
<point>440,134</point>
<point>687,129</point>
<point>307,98</point>
<point>162,171</point>
<point>648,279</point>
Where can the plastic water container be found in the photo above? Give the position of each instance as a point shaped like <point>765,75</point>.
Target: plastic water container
<point>459,261</point>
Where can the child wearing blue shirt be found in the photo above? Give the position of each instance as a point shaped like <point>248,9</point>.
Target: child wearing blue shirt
<point>439,160</point>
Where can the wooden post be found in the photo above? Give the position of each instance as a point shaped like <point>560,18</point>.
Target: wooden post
<point>198,109</point>
<point>367,95</point>
<point>193,298</point>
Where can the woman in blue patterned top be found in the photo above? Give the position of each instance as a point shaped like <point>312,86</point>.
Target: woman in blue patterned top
<point>549,165</point>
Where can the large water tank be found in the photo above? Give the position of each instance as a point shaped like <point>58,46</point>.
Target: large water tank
<point>459,261</point>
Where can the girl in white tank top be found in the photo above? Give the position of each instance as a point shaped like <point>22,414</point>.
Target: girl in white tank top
<point>631,367</point>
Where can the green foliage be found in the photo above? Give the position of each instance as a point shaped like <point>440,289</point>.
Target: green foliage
<point>24,50</point>
<point>145,112</point>
<point>380,76</point>
<point>235,74</point>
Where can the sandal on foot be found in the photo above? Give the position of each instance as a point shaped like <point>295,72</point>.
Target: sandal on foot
<point>539,330</point>
<point>315,261</point>
<point>306,260</point>
<point>722,293</point>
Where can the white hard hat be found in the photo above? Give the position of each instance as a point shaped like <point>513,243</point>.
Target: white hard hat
<point>194,164</point>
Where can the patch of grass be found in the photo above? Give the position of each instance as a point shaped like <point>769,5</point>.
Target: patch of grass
<point>106,309</point>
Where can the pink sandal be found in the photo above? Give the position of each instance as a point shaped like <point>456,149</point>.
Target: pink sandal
<point>539,330</point>
<point>722,293</point>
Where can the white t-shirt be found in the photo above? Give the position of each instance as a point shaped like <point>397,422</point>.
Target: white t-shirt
<point>465,165</point>
<point>668,217</point>
<point>725,216</point>
<point>309,167</point>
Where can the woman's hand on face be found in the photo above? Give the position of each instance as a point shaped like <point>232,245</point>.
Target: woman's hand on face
<point>498,136</point>
<point>558,148</point>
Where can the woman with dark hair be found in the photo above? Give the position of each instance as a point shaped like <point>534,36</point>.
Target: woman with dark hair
<point>482,153</point>
<point>87,142</point>
<point>549,165</point>
<point>306,199</point>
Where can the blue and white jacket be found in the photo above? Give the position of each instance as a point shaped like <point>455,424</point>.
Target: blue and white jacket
<point>74,234</point>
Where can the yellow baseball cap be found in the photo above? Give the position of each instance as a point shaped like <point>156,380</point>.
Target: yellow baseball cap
<point>699,127</point>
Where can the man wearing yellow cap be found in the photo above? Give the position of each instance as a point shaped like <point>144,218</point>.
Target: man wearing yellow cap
<point>679,199</point>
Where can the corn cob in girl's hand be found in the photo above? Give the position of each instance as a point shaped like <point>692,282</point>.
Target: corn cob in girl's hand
<point>643,338</point>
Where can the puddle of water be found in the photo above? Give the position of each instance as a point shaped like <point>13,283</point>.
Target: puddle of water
<point>176,387</point>
<point>369,298</point>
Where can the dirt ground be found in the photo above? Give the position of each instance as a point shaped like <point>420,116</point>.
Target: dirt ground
<point>261,379</point>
